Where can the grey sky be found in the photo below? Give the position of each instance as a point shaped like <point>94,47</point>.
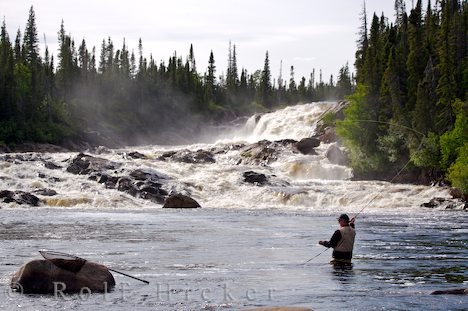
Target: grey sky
<point>306,34</point>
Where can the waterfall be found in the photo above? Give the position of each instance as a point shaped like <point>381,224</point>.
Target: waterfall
<point>293,180</point>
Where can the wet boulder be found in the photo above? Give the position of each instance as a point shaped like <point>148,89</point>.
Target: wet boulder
<point>127,185</point>
<point>222,149</point>
<point>264,152</point>
<point>84,164</point>
<point>336,156</point>
<point>180,201</point>
<point>136,155</point>
<point>45,192</point>
<point>255,178</point>
<point>307,145</point>
<point>45,277</point>
<point>145,174</point>
<point>152,191</point>
<point>186,156</point>
<point>19,197</point>
<point>449,204</point>
<point>51,165</point>
<point>458,194</point>
<point>329,135</point>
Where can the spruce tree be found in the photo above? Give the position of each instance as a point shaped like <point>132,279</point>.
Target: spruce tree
<point>362,45</point>
<point>6,78</point>
<point>446,88</point>
<point>265,87</point>
<point>417,57</point>
<point>31,41</point>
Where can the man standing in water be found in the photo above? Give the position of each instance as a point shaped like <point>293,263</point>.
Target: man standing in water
<point>342,241</point>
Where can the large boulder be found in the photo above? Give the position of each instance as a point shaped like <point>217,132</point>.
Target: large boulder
<point>44,277</point>
<point>19,197</point>
<point>264,152</point>
<point>255,178</point>
<point>84,164</point>
<point>336,156</point>
<point>186,156</point>
<point>307,145</point>
<point>180,201</point>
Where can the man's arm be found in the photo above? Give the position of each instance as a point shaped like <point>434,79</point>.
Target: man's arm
<point>333,241</point>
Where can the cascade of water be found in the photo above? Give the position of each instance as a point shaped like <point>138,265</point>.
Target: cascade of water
<point>294,180</point>
<point>293,122</point>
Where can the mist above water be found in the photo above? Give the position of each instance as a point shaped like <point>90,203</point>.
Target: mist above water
<point>295,181</point>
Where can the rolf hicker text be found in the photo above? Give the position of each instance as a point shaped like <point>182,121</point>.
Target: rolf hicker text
<point>163,292</point>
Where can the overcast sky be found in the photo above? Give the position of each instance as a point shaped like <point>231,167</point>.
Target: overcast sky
<point>306,34</point>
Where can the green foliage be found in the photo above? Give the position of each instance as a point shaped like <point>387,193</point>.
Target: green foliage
<point>458,171</point>
<point>358,135</point>
<point>427,154</point>
<point>349,129</point>
<point>411,97</point>
<point>452,141</point>
<point>9,132</point>
<point>329,119</point>
<point>392,145</point>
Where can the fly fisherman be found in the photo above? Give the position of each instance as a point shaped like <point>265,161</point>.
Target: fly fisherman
<point>342,242</point>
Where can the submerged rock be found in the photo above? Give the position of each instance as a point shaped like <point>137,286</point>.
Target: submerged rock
<point>279,309</point>
<point>45,277</point>
<point>452,291</point>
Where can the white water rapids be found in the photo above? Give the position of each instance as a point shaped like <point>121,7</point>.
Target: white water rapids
<point>246,247</point>
<point>296,181</point>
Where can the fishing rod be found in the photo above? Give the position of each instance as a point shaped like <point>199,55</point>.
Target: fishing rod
<point>393,178</point>
<point>51,255</point>
<point>128,275</point>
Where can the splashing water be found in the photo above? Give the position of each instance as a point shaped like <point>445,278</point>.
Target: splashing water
<point>246,245</point>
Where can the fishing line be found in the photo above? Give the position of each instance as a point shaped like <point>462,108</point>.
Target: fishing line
<point>391,181</point>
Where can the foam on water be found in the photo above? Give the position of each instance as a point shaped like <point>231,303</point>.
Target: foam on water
<point>296,181</point>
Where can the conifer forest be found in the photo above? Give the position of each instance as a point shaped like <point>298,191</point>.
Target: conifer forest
<point>407,93</point>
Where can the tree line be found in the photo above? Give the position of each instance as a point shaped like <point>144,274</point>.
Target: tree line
<point>410,106</point>
<point>133,99</point>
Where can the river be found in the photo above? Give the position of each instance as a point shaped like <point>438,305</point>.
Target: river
<point>248,245</point>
